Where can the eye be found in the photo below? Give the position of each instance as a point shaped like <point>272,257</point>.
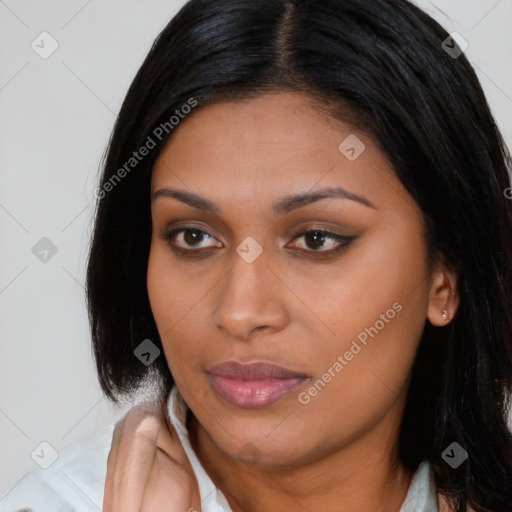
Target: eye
<point>190,239</point>
<point>186,238</point>
<point>317,240</point>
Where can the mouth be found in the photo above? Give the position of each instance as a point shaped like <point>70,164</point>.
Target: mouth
<point>254,385</point>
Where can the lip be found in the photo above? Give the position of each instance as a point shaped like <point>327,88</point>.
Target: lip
<point>254,385</point>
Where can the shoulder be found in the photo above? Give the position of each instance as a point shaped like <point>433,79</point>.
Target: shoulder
<point>74,482</point>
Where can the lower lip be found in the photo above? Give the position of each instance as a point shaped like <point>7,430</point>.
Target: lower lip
<point>254,394</point>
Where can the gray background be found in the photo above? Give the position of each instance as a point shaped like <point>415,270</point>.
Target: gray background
<point>56,115</point>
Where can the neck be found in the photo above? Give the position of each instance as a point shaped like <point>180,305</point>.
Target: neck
<point>365,475</point>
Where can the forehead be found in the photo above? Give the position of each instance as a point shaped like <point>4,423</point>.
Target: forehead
<point>263,147</point>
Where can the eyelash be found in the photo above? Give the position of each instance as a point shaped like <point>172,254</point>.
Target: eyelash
<point>344,241</point>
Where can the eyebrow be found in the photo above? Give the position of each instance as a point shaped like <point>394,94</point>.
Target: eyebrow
<point>284,205</point>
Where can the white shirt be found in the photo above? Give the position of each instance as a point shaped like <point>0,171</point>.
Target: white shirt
<point>75,482</point>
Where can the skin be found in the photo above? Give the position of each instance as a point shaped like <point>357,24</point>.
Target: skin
<point>145,452</point>
<point>291,305</point>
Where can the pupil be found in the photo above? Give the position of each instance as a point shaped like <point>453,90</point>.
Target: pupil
<point>318,239</point>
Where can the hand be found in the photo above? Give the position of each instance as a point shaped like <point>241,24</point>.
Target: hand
<point>148,469</point>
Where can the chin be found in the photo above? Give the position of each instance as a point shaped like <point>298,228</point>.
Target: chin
<point>257,447</point>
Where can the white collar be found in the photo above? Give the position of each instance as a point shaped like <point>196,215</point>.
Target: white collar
<point>422,493</point>
<point>421,496</point>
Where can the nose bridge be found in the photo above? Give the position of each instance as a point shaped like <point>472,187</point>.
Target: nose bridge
<point>248,300</point>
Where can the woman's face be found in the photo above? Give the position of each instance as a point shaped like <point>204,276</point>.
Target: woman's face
<point>343,316</point>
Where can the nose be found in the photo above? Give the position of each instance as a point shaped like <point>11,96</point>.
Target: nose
<point>251,299</point>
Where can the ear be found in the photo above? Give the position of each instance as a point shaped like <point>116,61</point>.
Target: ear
<point>444,297</point>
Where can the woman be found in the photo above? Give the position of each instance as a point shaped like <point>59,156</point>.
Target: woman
<point>302,237</point>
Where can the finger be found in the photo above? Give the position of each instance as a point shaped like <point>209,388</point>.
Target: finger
<point>170,487</point>
<point>136,453</point>
<point>130,458</point>
<point>112,465</point>
<point>132,455</point>
<point>168,440</point>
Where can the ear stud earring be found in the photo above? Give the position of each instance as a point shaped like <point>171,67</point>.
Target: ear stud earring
<point>445,314</point>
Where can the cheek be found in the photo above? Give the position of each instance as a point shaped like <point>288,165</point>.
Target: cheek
<point>351,395</point>
<point>160,286</point>
<point>175,301</point>
<point>172,292</point>
<point>341,300</point>
<point>361,377</point>
<point>180,296</point>
<point>372,312</point>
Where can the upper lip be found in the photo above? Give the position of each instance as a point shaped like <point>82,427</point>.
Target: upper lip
<point>259,370</point>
